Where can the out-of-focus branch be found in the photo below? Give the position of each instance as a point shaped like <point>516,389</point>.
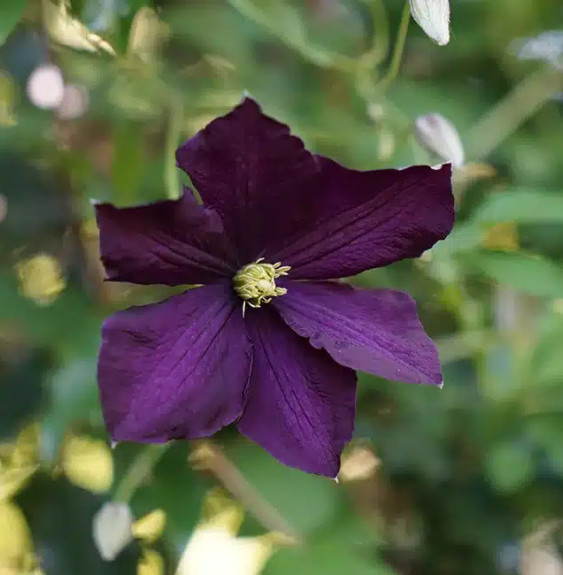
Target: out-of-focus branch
<point>173,135</point>
<point>210,457</point>
<point>512,111</point>
<point>398,51</point>
<point>140,469</point>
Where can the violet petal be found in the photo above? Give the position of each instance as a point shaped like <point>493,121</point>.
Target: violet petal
<point>365,220</point>
<point>376,331</point>
<point>249,168</point>
<point>176,369</point>
<point>300,403</point>
<point>172,242</point>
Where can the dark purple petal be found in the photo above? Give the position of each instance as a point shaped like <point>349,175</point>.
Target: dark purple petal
<point>300,403</point>
<point>376,331</point>
<point>176,369</point>
<point>364,220</point>
<point>172,242</point>
<point>250,169</point>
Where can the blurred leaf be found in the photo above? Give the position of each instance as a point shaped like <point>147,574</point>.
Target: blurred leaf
<point>171,486</point>
<point>21,393</point>
<point>152,563</point>
<point>546,430</point>
<point>522,206</point>
<point>60,518</point>
<point>283,17</point>
<point>546,363</point>
<point>288,490</point>
<point>232,34</point>
<point>74,398</point>
<point>16,540</point>
<point>527,273</point>
<point>150,527</point>
<point>10,13</point>
<point>464,237</point>
<point>87,463</point>
<point>510,465</point>
<point>69,325</point>
<point>127,166</point>
<point>69,31</point>
<point>336,552</point>
<point>36,209</point>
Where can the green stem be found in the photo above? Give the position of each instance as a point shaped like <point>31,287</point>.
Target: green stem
<point>139,470</point>
<point>171,178</point>
<point>512,111</point>
<point>379,49</point>
<point>398,50</point>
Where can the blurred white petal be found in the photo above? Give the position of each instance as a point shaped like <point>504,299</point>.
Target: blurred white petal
<point>45,87</point>
<point>215,551</point>
<point>546,47</point>
<point>112,529</point>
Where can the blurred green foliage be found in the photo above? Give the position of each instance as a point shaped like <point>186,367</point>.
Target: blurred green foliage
<point>437,482</point>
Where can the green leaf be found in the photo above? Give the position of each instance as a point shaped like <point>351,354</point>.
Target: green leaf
<point>74,397</point>
<point>69,324</point>
<point>172,485</point>
<point>510,466</point>
<point>21,392</point>
<point>128,163</point>
<point>288,490</point>
<point>464,237</point>
<point>546,430</point>
<point>344,549</point>
<point>522,206</point>
<point>10,13</point>
<point>60,517</point>
<point>546,363</point>
<point>528,273</point>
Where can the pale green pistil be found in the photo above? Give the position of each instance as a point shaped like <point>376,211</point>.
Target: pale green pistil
<point>255,283</point>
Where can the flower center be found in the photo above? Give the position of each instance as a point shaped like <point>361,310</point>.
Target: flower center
<point>255,283</point>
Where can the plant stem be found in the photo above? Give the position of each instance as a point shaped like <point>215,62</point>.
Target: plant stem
<point>380,44</point>
<point>210,457</point>
<point>171,179</point>
<point>512,111</point>
<point>139,470</point>
<point>398,50</point>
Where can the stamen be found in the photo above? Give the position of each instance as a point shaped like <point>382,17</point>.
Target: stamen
<point>255,283</point>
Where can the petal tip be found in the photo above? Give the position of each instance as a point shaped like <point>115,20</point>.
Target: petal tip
<point>246,95</point>
<point>250,104</point>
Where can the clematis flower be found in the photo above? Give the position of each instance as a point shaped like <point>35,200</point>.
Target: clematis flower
<point>272,338</point>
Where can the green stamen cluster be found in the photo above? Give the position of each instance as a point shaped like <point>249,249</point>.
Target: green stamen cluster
<point>255,283</point>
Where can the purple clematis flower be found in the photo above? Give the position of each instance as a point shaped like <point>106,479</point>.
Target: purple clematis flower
<point>256,344</point>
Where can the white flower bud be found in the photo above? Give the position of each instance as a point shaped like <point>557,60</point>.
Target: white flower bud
<point>433,16</point>
<point>439,136</point>
<point>112,529</point>
<point>45,87</point>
